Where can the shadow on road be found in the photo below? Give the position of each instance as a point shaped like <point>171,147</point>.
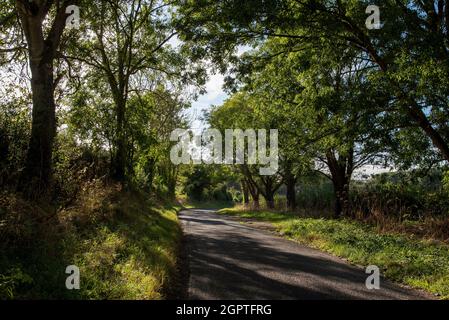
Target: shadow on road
<point>232,261</point>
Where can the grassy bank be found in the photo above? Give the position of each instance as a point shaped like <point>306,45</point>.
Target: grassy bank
<point>409,260</point>
<point>124,245</point>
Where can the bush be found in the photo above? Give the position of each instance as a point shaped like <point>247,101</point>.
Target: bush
<point>14,136</point>
<point>403,196</point>
<point>315,193</point>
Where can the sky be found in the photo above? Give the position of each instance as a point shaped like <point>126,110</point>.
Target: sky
<point>215,95</point>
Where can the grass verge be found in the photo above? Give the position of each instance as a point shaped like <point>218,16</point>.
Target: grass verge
<point>415,262</point>
<point>124,245</point>
<point>211,204</point>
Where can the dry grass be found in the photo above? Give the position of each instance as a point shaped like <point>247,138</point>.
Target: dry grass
<point>429,228</point>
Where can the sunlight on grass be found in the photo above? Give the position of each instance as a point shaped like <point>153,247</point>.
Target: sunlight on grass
<point>125,246</point>
<point>131,260</point>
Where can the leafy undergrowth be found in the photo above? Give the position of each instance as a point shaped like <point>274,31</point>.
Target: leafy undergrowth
<point>124,245</point>
<point>416,262</point>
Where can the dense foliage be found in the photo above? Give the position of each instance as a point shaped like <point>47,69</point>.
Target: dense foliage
<point>92,109</point>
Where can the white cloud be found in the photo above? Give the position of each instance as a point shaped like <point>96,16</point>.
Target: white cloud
<point>214,95</point>
<point>214,89</point>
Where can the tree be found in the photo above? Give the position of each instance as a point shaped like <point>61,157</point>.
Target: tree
<point>151,119</point>
<point>127,44</point>
<point>408,55</point>
<point>197,181</point>
<point>240,112</point>
<point>319,102</point>
<point>42,24</point>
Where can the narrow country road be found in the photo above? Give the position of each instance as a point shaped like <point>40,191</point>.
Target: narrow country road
<point>229,260</point>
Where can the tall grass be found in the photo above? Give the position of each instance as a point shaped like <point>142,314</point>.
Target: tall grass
<point>400,196</point>
<point>403,201</point>
<point>124,244</point>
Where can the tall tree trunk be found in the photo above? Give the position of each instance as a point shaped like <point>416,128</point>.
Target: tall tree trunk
<point>341,191</point>
<point>269,191</point>
<point>4,153</point>
<point>291,192</point>
<point>270,186</point>
<point>256,200</point>
<point>269,199</point>
<point>290,183</point>
<point>36,177</point>
<point>251,186</point>
<point>341,171</point>
<point>255,194</point>
<point>4,145</point>
<point>119,173</point>
<point>245,192</point>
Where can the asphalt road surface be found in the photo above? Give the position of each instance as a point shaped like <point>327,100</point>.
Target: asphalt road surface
<point>228,260</point>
